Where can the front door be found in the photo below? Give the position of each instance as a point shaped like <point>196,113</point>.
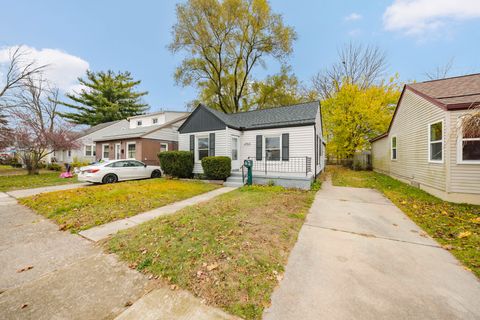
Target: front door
<point>117,151</point>
<point>235,152</point>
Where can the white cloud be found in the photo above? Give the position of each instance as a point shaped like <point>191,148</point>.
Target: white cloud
<point>353,17</point>
<point>417,17</point>
<point>63,69</point>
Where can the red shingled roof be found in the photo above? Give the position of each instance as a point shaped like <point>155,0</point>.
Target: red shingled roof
<point>456,93</point>
<point>451,93</point>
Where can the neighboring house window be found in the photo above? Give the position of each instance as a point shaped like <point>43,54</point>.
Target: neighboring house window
<point>131,150</point>
<point>88,150</point>
<point>394,148</point>
<point>69,153</point>
<point>272,148</point>
<point>154,120</point>
<point>163,147</point>
<point>234,148</point>
<point>202,147</point>
<point>469,141</point>
<point>106,151</point>
<point>139,123</point>
<point>435,142</point>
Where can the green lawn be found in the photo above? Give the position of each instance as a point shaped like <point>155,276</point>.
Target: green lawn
<point>83,208</point>
<point>455,226</point>
<point>20,180</point>
<point>230,251</point>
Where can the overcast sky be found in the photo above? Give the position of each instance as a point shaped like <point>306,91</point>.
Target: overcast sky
<point>72,36</point>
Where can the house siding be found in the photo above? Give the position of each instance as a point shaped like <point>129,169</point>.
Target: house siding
<point>464,178</point>
<point>381,155</point>
<point>220,145</point>
<point>410,126</point>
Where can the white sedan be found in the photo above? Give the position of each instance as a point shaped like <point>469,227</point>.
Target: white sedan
<point>117,170</point>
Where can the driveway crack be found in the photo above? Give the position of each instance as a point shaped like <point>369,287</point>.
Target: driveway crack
<point>369,235</point>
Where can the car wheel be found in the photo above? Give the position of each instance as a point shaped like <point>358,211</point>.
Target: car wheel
<point>110,178</point>
<point>156,174</point>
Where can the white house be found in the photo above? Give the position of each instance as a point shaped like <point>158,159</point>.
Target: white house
<point>426,144</point>
<point>87,150</point>
<point>285,143</point>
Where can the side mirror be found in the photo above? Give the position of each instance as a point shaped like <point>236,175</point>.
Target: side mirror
<point>144,165</point>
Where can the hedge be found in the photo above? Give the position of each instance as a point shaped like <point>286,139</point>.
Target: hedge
<point>176,163</point>
<point>217,168</point>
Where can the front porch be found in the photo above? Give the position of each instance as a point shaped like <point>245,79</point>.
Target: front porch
<point>296,172</point>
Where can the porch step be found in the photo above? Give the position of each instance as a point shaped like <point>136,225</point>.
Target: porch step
<point>236,174</point>
<point>234,179</point>
<point>232,184</point>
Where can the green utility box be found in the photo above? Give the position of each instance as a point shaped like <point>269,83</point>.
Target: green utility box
<point>248,164</point>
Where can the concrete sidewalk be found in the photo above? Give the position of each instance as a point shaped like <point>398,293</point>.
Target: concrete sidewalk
<point>104,231</point>
<point>49,274</point>
<point>31,192</point>
<point>359,257</point>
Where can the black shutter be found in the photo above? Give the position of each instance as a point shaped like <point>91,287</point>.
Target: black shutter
<point>259,148</point>
<point>192,145</point>
<point>285,147</point>
<point>211,142</point>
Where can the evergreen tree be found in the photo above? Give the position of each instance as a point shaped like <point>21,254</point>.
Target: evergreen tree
<point>108,96</point>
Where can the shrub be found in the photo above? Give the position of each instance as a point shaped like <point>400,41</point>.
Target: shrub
<point>78,164</point>
<point>54,167</point>
<point>176,163</point>
<point>217,168</point>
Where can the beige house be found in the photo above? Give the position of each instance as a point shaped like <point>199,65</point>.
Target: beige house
<point>427,144</point>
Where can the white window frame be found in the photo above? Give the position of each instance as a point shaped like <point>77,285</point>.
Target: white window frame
<point>436,141</point>
<point>103,151</point>
<point>197,156</point>
<point>154,120</point>
<point>460,140</point>
<point>396,148</point>
<point>164,144</point>
<point>128,152</point>
<point>279,136</point>
<point>91,150</point>
<point>237,147</point>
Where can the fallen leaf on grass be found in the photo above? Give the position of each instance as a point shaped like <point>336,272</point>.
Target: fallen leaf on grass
<point>24,269</point>
<point>464,234</point>
<point>24,306</point>
<point>212,266</point>
<point>62,227</point>
<point>448,247</point>
<point>476,220</point>
<point>173,287</point>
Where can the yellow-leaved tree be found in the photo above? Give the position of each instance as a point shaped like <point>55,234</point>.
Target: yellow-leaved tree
<point>353,115</point>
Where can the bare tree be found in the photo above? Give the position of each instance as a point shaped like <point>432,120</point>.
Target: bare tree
<point>19,69</point>
<point>36,128</point>
<point>440,72</point>
<point>361,65</point>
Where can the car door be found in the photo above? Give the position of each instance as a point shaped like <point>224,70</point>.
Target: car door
<point>136,170</point>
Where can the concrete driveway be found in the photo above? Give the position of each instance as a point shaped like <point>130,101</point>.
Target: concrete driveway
<point>359,257</point>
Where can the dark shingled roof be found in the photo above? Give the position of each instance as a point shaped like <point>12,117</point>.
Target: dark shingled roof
<point>286,116</point>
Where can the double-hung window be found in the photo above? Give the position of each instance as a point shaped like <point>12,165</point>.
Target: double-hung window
<point>88,150</point>
<point>469,140</point>
<point>163,147</point>
<point>272,148</point>
<point>394,148</point>
<point>435,142</point>
<point>106,151</point>
<point>131,150</point>
<point>202,147</point>
<point>154,120</point>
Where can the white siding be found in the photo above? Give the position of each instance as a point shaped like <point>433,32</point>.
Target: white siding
<point>411,128</point>
<point>169,133</point>
<point>381,155</point>
<point>220,145</point>
<point>301,140</point>
<point>464,178</point>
